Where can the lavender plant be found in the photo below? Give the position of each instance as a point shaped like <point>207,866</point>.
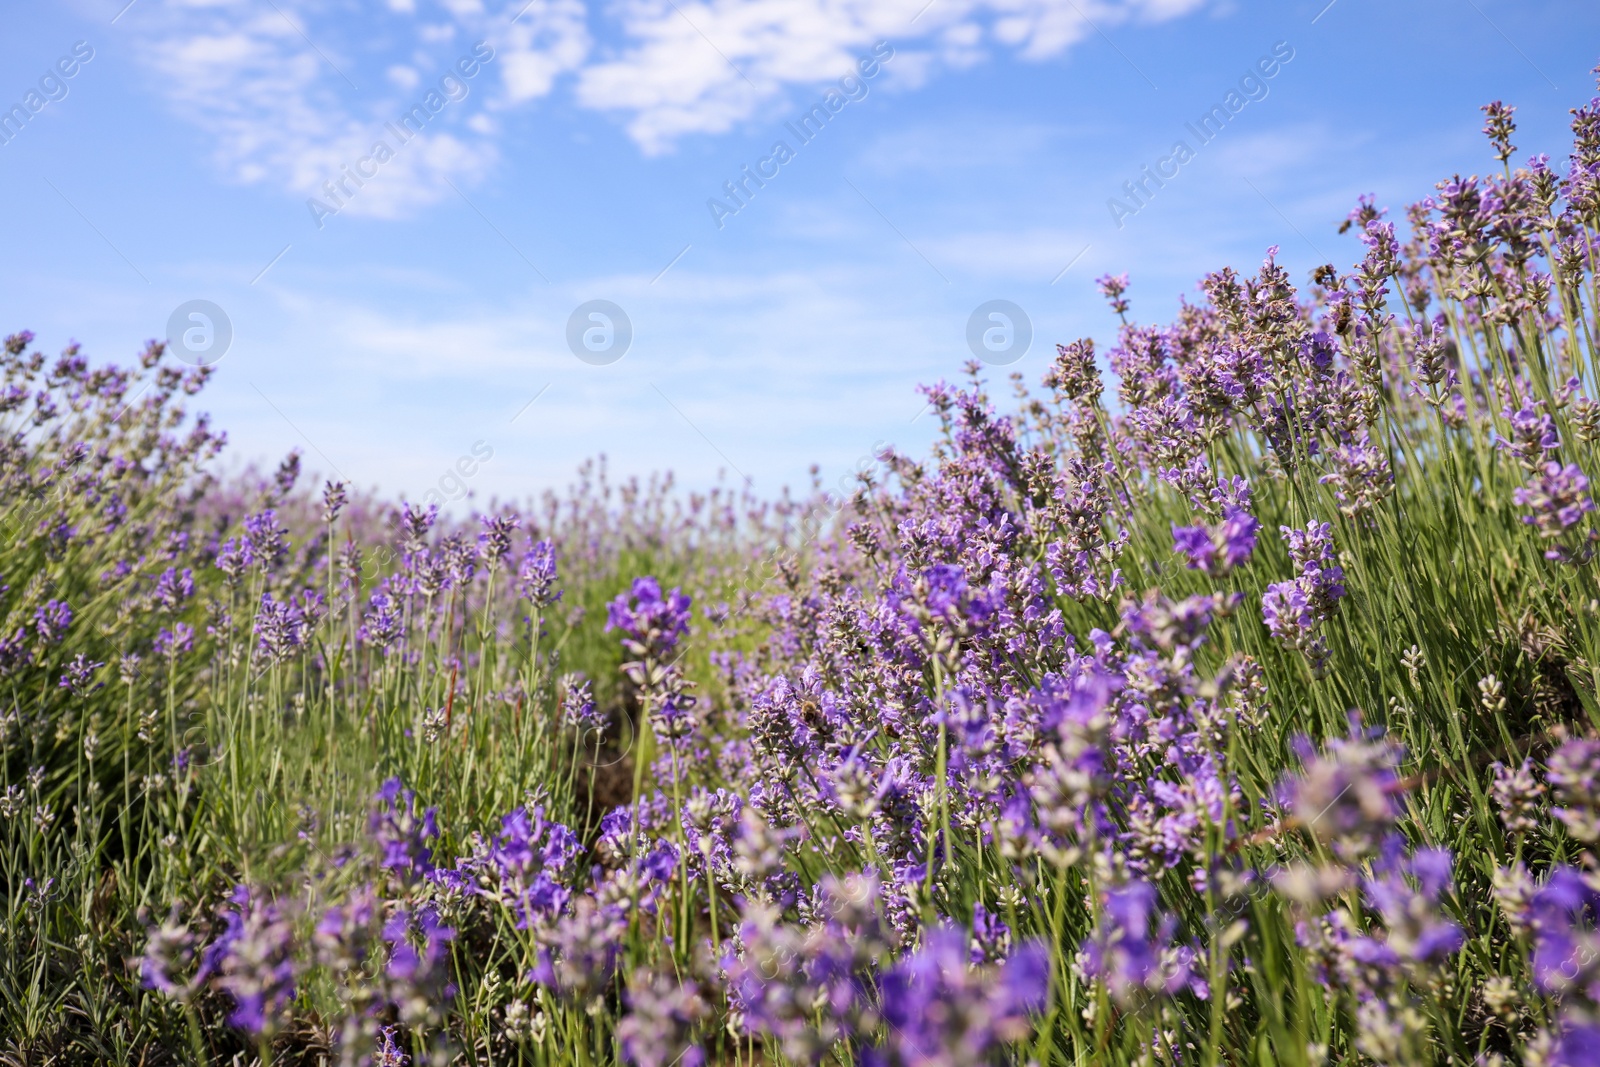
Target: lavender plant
<point>1247,715</point>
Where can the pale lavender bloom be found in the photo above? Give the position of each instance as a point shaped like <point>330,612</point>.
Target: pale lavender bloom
<point>414,523</point>
<point>578,710</point>
<point>1346,796</point>
<point>281,628</point>
<point>1517,793</point>
<point>1558,498</point>
<point>174,642</point>
<point>663,1013</point>
<point>1112,287</point>
<point>1574,772</point>
<point>1321,577</point>
<point>169,951</point>
<point>334,497</point>
<point>1533,433</point>
<point>234,558</point>
<point>579,952</point>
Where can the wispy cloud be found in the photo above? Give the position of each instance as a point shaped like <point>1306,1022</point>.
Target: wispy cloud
<point>703,66</point>
<point>292,91</point>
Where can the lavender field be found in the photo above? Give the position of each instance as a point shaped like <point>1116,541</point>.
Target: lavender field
<point>1226,697</point>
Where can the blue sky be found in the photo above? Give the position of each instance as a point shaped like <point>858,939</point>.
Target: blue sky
<point>975,163</point>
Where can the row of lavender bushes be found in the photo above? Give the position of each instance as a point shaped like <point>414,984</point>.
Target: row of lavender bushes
<point>1247,715</point>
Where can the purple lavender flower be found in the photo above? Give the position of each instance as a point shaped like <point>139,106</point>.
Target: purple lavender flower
<point>991,937</point>
<point>1217,550</point>
<point>1346,797</point>
<point>173,588</point>
<point>50,622</point>
<point>264,539</point>
<point>381,625</point>
<point>418,970</point>
<point>495,540</point>
<point>579,953</point>
<point>1417,932</point>
<point>939,1012</point>
<point>1566,952</point>
<point>1517,794</point>
<point>1361,476</point>
<point>14,652</point>
<point>1558,498</point>
<point>650,620</point>
<point>537,577</point>
<point>253,961</point>
<point>1112,287</point>
<point>400,834</point>
<point>345,935</point>
<point>414,523</point>
<point>1294,611</point>
<point>578,710</point>
<point>234,557</point>
<point>1168,624</point>
<point>460,560</point>
<point>1576,1042</point>
<point>1195,543</point>
<point>783,969</point>
<point>1533,434</point>
<point>174,642</point>
<point>169,951</point>
<point>1131,948</point>
<point>390,1051</point>
<point>531,856</point>
<point>1498,126</point>
<point>1321,577</point>
<point>281,628</point>
<point>79,674</point>
<point>287,474</point>
<point>1286,609</point>
<point>652,625</point>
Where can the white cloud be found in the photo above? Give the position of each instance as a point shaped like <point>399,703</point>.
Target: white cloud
<point>704,66</point>
<point>275,87</point>
<point>291,93</point>
<point>403,76</point>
